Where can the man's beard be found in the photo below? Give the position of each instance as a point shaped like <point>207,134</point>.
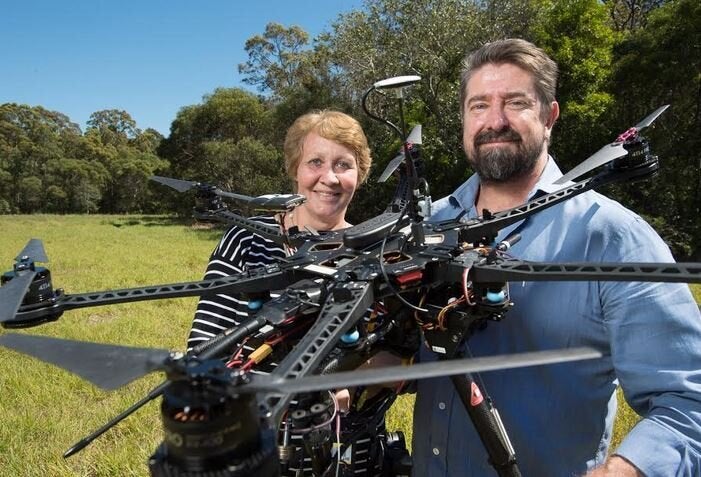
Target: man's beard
<point>502,163</point>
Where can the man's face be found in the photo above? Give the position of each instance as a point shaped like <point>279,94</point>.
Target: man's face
<point>503,134</point>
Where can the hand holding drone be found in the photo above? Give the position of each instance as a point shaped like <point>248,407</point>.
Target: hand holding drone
<point>412,266</point>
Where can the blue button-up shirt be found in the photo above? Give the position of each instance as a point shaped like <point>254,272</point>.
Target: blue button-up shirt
<point>560,417</point>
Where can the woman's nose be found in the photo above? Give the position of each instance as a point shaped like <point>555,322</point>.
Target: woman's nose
<point>329,176</point>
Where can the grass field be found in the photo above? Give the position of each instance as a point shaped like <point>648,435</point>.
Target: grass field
<point>43,410</point>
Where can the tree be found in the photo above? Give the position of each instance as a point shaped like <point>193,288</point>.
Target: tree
<point>629,15</point>
<point>228,113</point>
<point>430,39</point>
<point>148,141</point>
<point>248,166</point>
<point>275,58</point>
<point>47,165</point>
<point>30,137</point>
<point>114,126</point>
<point>656,65</point>
<point>577,35</point>
<point>400,37</point>
<point>224,140</point>
<point>76,185</point>
<point>128,156</point>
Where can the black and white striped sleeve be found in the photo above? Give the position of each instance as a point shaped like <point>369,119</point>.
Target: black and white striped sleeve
<point>238,250</point>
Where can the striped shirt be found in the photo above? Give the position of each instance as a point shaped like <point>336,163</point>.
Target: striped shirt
<point>240,250</point>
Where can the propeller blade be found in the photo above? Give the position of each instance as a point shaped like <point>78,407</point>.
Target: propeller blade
<point>611,151</point>
<point>33,251</point>
<point>417,371</point>
<point>651,118</point>
<point>277,202</point>
<point>603,156</point>
<point>413,138</point>
<point>270,203</point>
<point>184,186</point>
<point>232,195</point>
<point>177,184</point>
<point>12,294</point>
<point>105,366</point>
<point>415,135</point>
<point>391,167</point>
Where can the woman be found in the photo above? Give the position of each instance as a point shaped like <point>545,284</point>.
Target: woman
<point>327,157</point>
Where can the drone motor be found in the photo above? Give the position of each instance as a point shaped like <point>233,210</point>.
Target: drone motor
<point>41,289</point>
<point>40,295</point>
<point>209,430</point>
<point>638,158</point>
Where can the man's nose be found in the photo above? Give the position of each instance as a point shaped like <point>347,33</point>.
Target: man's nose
<point>496,118</point>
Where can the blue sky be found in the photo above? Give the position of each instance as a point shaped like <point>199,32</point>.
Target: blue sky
<point>149,58</point>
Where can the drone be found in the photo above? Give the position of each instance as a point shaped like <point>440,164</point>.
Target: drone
<point>224,420</point>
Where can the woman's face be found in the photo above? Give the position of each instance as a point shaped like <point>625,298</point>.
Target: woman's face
<point>327,175</point>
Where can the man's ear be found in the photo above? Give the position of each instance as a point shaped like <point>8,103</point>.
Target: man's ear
<point>554,114</point>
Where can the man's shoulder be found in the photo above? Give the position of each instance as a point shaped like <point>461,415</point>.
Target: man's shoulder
<point>596,218</point>
<point>600,210</point>
<point>449,207</point>
<point>443,209</point>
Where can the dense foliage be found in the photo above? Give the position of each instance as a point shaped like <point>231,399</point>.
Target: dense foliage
<point>619,60</point>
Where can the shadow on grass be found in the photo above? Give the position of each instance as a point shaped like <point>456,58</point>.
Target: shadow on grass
<point>205,229</point>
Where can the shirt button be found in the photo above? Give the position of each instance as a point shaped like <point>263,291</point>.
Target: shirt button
<point>436,451</point>
<point>441,405</point>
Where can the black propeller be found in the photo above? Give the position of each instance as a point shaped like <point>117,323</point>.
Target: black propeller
<point>12,294</point>
<point>105,366</point>
<point>268,202</point>
<point>16,283</point>
<point>112,366</point>
<point>33,251</point>
<point>435,369</point>
<point>610,151</point>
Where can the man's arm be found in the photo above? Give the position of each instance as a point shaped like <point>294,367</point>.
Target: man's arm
<point>655,337</point>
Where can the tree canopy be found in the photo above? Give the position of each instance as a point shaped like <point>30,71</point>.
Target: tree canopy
<point>618,59</point>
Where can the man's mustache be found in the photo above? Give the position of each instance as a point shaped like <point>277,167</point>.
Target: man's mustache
<point>491,136</point>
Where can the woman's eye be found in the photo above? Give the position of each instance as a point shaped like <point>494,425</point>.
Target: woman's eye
<point>344,165</point>
<point>316,162</point>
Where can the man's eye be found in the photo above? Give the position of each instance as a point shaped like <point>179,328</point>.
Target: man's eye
<point>478,107</point>
<point>519,103</point>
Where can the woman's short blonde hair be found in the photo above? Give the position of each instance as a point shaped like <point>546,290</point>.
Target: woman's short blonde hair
<point>334,126</point>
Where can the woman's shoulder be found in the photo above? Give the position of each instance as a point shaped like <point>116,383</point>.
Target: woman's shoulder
<point>238,232</point>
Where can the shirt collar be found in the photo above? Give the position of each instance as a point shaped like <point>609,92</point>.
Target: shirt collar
<point>550,174</point>
<point>465,195</point>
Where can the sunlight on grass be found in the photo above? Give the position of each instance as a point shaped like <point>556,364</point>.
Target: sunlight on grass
<point>46,410</point>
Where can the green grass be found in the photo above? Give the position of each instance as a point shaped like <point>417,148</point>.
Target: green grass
<point>45,410</point>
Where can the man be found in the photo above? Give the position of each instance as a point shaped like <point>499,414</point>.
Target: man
<point>560,417</point>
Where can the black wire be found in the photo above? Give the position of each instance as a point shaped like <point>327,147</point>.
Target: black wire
<point>378,118</point>
<point>382,267</point>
